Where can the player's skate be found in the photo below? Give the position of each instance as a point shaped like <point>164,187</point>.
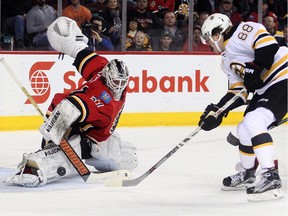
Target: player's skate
<point>239,181</point>
<point>268,188</point>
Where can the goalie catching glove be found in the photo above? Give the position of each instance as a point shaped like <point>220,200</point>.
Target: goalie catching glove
<point>65,36</point>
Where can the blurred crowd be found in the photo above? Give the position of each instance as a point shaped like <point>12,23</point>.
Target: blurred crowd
<point>151,25</point>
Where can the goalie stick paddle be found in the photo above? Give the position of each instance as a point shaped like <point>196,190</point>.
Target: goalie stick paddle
<point>233,140</point>
<point>67,149</point>
<point>136,181</point>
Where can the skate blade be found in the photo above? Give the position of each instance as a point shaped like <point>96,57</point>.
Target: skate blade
<point>224,188</point>
<point>236,188</point>
<point>268,195</point>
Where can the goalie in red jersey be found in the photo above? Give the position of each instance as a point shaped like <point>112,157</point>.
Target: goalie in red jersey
<point>86,117</point>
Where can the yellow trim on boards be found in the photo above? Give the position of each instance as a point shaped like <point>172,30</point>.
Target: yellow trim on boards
<point>8,123</point>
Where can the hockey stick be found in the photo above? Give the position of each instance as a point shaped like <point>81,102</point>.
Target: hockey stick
<point>67,149</point>
<point>233,140</point>
<point>136,181</point>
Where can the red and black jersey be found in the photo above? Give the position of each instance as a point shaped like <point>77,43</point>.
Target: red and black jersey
<point>100,112</point>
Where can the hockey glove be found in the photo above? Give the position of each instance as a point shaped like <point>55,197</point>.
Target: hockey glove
<point>208,121</point>
<point>252,76</point>
<point>65,36</point>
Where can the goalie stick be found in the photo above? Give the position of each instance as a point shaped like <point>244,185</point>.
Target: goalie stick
<point>136,181</point>
<point>233,140</point>
<point>67,149</point>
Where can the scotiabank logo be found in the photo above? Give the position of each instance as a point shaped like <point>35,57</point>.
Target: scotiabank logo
<point>148,83</point>
<point>39,81</point>
<point>40,85</point>
<point>145,83</point>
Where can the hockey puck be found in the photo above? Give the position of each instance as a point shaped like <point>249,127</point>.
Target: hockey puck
<point>61,171</point>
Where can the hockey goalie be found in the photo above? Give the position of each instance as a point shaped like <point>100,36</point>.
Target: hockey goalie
<point>87,117</point>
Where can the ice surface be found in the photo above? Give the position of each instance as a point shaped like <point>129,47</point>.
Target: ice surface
<point>188,183</point>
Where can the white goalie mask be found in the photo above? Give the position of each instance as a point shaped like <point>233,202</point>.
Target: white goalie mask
<point>116,75</point>
<point>216,20</point>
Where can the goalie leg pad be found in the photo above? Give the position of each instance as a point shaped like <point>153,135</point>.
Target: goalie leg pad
<point>123,153</point>
<point>129,158</point>
<point>103,164</point>
<point>60,120</point>
<point>44,166</point>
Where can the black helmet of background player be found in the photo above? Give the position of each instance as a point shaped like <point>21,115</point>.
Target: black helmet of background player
<point>116,76</point>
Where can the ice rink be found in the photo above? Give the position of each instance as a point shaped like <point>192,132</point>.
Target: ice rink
<point>188,183</point>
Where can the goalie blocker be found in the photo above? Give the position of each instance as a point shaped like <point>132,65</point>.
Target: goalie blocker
<point>48,165</point>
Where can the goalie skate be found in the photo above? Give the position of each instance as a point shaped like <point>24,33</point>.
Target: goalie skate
<point>239,181</point>
<point>25,176</point>
<point>268,188</point>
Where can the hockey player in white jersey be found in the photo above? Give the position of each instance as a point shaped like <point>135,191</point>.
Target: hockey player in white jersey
<point>252,59</point>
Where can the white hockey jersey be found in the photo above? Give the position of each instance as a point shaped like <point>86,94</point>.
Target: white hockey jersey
<point>250,42</point>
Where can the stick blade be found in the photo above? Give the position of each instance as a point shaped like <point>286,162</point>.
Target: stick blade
<point>95,178</point>
<point>113,182</point>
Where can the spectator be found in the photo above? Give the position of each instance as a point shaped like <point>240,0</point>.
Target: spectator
<point>253,5</point>
<point>95,6</point>
<point>170,26</point>
<point>283,41</point>
<point>156,5</point>
<point>204,5</point>
<point>182,10</point>
<point>97,40</point>
<point>166,42</point>
<point>226,7</point>
<point>270,24</point>
<point>214,4</point>
<point>197,43</point>
<point>132,29</point>
<point>279,7</point>
<point>202,17</point>
<point>15,19</point>
<point>112,17</point>
<point>253,16</point>
<point>283,22</point>
<point>54,3</point>
<point>39,18</point>
<point>77,12</point>
<point>139,43</point>
<point>243,8</point>
<point>147,21</point>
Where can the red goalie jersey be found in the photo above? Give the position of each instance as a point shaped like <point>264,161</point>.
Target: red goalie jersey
<point>100,111</point>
